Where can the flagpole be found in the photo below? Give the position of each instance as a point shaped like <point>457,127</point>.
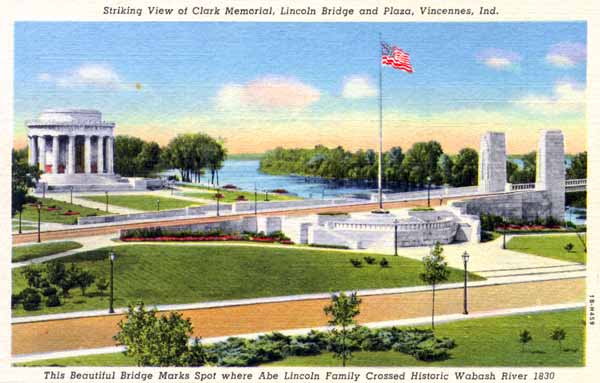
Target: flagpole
<point>379,182</point>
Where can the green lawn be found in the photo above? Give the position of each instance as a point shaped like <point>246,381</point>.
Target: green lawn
<point>551,246</point>
<point>231,196</point>
<point>484,342</point>
<point>480,342</point>
<point>161,274</point>
<point>24,253</point>
<point>30,213</point>
<point>142,201</point>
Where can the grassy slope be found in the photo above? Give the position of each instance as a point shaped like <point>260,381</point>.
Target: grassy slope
<point>23,253</point>
<point>231,196</point>
<point>142,202</point>
<point>551,246</point>
<point>185,274</point>
<point>30,213</point>
<point>480,342</point>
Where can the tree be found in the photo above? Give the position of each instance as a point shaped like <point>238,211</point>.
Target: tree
<point>527,174</point>
<point>511,168</point>
<point>102,285</point>
<point>158,341</point>
<point>83,279</point>
<point>435,271</point>
<point>465,168</point>
<point>58,275</point>
<point>524,338</point>
<point>24,177</point>
<point>31,299</point>
<point>135,157</point>
<point>578,168</point>
<point>421,162</point>
<point>343,309</point>
<point>569,247</point>
<point>32,275</point>
<point>445,165</point>
<point>558,334</point>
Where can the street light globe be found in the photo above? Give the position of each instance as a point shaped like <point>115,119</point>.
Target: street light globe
<point>465,257</point>
<point>112,256</point>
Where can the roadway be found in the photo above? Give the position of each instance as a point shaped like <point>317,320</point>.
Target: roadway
<point>79,231</point>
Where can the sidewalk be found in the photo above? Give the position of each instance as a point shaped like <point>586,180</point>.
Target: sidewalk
<point>402,322</point>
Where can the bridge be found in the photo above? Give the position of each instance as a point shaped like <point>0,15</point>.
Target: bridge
<point>571,186</point>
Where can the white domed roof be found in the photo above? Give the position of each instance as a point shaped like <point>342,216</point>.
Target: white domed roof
<point>75,116</point>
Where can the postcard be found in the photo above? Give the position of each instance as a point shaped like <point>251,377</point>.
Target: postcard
<point>320,190</point>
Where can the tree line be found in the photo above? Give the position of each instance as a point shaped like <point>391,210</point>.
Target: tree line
<point>423,163</point>
<point>192,154</point>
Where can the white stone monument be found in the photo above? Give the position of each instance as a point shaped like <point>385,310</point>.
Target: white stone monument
<point>73,147</point>
<point>550,172</point>
<point>492,163</point>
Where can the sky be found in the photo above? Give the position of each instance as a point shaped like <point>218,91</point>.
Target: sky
<point>262,85</point>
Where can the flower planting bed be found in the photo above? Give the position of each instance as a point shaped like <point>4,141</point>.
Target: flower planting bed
<point>208,238</point>
<point>530,228</point>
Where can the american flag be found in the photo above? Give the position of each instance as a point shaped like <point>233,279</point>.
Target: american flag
<point>395,57</point>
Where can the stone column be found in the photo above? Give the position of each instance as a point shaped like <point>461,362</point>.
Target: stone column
<point>71,155</point>
<point>33,153</point>
<point>55,154</point>
<point>100,162</point>
<point>492,163</point>
<point>88,155</point>
<point>550,172</point>
<point>110,142</point>
<point>42,152</point>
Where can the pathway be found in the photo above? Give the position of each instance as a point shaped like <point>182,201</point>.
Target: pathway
<point>95,332</point>
<point>301,331</point>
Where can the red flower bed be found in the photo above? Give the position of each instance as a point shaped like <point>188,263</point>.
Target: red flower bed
<point>52,208</point>
<point>527,227</point>
<point>241,198</point>
<point>286,242</point>
<point>229,186</point>
<point>219,196</point>
<point>279,191</point>
<point>185,239</point>
<point>71,213</point>
<point>263,239</point>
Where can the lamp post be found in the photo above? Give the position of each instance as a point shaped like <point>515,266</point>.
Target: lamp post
<point>157,205</point>
<point>39,209</point>
<point>71,190</point>
<point>255,201</point>
<point>218,197</point>
<point>465,258</point>
<point>503,233</point>
<point>43,190</point>
<point>266,195</point>
<point>428,191</point>
<point>112,272</point>
<point>395,237</point>
<point>106,193</point>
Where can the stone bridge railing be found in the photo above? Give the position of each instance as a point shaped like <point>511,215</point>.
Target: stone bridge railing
<point>570,185</point>
<point>406,226</point>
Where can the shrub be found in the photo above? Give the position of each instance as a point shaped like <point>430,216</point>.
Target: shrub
<point>53,300</point>
<point>15,299</point>
<point>384,263</point>
<point>356,262</point>
<point>50,290</point>
<point>329,246</point>
<point>370,260</point>
<point>31,299</point>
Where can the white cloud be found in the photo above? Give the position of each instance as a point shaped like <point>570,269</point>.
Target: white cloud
<point>269,92</point>
<point>566,55</point>
<point>567,98</point>
<point>88,75</point>
<point>356,87</point>
<point>499,59</point>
